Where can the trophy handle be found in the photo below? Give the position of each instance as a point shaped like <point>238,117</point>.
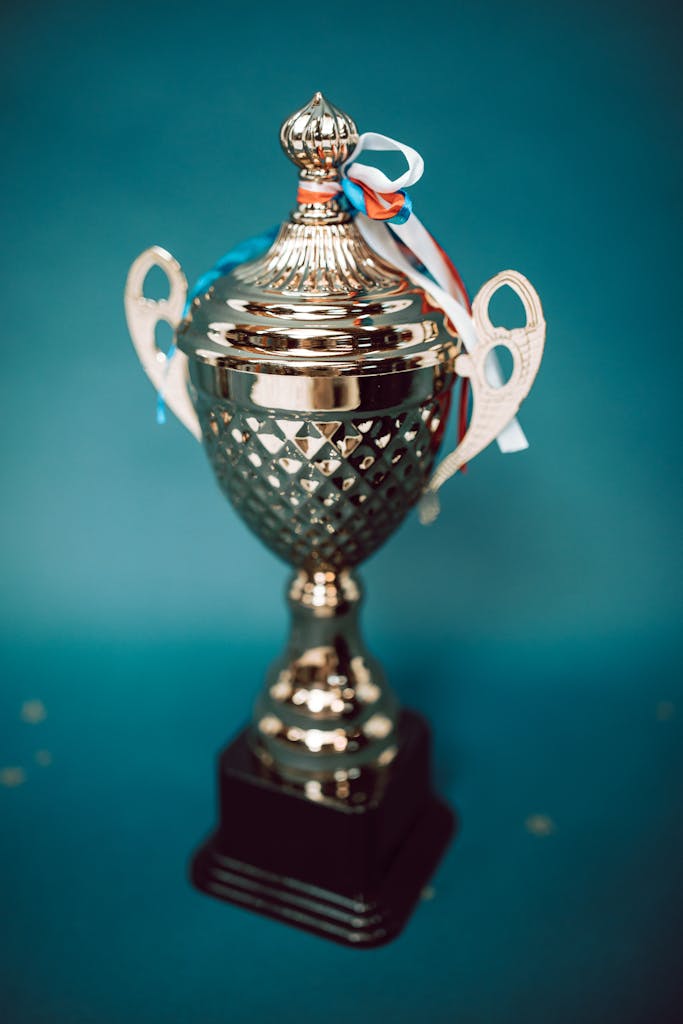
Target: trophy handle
<point>170,376</point>
<point>493,404</point>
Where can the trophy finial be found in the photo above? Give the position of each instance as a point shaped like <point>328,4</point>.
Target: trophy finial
<point>318,138</point>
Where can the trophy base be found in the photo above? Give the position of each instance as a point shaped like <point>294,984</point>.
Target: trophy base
<point>348,869</point>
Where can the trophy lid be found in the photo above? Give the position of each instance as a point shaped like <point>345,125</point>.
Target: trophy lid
<point>320,300</point>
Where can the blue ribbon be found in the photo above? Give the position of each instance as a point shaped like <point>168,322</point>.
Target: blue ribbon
<point>249,250</point>
<point>242,253</point>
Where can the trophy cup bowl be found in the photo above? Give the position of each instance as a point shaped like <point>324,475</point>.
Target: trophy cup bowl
<point>319,379</point>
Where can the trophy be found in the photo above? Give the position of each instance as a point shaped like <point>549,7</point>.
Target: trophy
<point>318,374</point>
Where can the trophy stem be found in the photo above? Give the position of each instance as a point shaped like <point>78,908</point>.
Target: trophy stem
<point>326,713</point>
<point>327,817</point>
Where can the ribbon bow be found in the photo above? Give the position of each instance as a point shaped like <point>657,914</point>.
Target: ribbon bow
<point>370,191</point>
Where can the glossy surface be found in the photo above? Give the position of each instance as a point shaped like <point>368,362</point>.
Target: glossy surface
<point>323,493</point>
<point>326,715</point>
<point>321,325</point>
<point>319,137</point>
<point>319,302</point>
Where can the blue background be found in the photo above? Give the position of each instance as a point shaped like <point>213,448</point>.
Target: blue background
<point>537,624</point>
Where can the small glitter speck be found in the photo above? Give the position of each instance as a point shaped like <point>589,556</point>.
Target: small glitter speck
<point>665,710</point>
<point>428,893</point>
<point>539,825</point>
<point>43,758</point>
<point>12,776</point>
<point>33,711</point>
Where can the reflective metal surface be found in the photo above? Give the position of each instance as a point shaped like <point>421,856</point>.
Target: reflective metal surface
<point>321,379</point>
<point>325,712</point>
<point>320,302</point>
<point>318,139</point>
<point>323,492</point>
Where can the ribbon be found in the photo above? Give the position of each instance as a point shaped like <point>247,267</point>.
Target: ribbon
<point>385,217</point>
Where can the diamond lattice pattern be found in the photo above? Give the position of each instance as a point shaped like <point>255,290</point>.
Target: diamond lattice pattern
<point>322,492</point>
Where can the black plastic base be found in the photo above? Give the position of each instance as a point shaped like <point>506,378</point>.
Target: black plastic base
<point>348,871</point>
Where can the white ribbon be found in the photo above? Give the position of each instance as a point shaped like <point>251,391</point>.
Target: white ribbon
<point>416,237</point>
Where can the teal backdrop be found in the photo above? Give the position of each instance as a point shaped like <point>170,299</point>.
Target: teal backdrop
<point>537,623</point>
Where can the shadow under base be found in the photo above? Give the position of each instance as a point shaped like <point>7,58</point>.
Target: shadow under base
<point>349,869</point>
